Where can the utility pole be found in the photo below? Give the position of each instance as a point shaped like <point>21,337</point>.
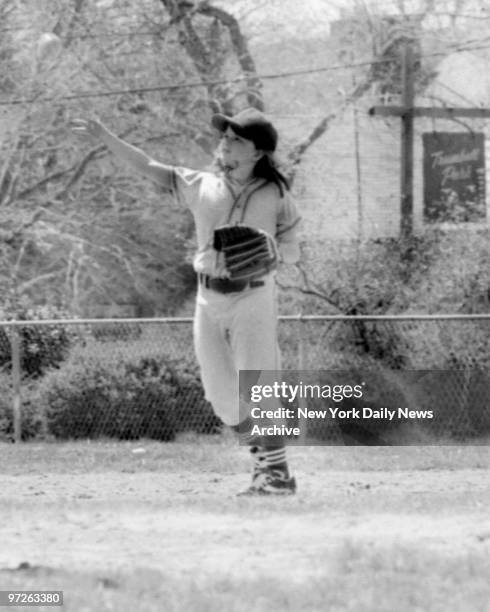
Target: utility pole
<point>406,187</point>
<point>407,112</point>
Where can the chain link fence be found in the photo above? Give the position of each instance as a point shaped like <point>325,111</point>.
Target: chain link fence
<point>137,378</point>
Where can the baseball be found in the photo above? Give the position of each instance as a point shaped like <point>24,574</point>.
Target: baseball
<point>48,47</point>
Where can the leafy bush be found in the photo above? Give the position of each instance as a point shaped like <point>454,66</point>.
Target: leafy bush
<point>104,390</point>
<point>31,418</point>
<point>455,388</point>
<point>458,400</point>
<point>41,346</point>
<point>382,388</point>
<point>435,272</point>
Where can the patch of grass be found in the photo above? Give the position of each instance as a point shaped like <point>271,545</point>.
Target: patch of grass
<point>195,453</point>
<point>361,577</point>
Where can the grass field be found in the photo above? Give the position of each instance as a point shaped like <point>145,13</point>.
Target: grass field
<point>157,527</point>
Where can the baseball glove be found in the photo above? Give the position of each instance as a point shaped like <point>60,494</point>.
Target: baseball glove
<point>248,252</point>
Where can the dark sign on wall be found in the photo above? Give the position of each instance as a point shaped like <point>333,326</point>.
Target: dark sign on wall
<point>454,177</point>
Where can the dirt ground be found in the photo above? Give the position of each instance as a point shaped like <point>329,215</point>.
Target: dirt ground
<point>402,522</point>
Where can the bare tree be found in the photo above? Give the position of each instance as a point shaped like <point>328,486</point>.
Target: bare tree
<point>202,27</point>
<point>200,60</point>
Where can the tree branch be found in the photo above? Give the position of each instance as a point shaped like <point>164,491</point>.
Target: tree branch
<point>309,288</point>
<point>79,170</point>
<point>38,279</point>
<point>181,13</point>
<point>47,179</point>
<point>242,53</point>
<point>295,155</point>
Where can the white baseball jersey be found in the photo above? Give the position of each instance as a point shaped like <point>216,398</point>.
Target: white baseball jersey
<point>234,331</point>
<point>214,201</point>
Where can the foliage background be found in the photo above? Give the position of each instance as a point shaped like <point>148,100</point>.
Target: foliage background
<point>82,233</point>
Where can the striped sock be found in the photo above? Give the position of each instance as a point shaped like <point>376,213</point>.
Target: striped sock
<point>267,452</point>
<point>276,459</point>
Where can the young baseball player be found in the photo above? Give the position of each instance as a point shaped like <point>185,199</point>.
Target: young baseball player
<point>235,323</point>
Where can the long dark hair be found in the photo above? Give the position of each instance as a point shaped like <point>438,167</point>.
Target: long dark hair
<point>266,168</point>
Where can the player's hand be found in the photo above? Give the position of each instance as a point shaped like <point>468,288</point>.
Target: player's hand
<point>220,266</point>
<point>87,128</point>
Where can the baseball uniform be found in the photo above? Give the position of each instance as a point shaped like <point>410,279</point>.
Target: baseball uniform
<point>238,330</point>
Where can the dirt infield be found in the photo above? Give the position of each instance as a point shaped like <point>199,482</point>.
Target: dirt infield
<point>148,526</point>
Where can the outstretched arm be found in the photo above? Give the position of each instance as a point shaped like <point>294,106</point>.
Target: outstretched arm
<point>136,158</point>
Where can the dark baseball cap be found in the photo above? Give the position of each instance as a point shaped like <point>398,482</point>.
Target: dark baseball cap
<point>250,124</point>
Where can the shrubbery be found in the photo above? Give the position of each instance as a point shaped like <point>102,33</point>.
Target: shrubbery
<point>41,346</point>
<point>31,419</point>
<point>107,391</point>
<point>436,272</point>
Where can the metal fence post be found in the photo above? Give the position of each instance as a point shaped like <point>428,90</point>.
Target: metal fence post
<point>307,353</point>
<point>16,386</point>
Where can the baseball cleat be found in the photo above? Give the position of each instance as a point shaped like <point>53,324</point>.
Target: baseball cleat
<point>271,482</point>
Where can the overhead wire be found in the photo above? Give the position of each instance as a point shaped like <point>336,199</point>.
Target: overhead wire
<point>188,85</point>
<point>215,82</point>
